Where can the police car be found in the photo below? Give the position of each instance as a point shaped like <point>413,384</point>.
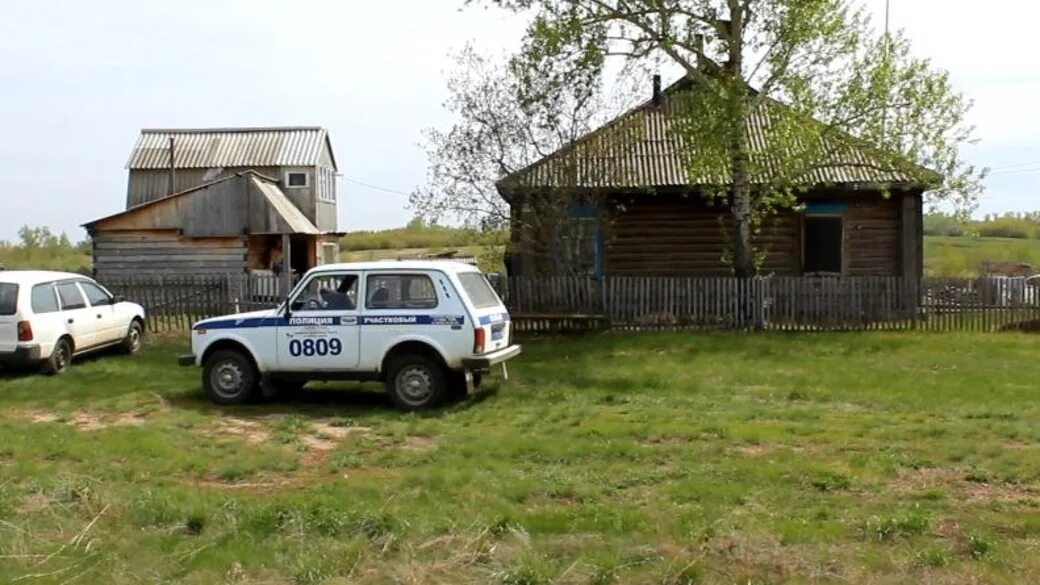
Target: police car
<point>427,329</point>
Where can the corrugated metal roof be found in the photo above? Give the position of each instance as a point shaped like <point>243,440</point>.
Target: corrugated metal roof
<point>230,147</point>
<point>294,219</point>
<point>642,149</point>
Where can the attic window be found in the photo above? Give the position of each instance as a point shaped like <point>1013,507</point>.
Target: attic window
<point>294,179</point>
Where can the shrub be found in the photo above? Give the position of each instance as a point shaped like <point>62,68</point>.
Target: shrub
<point>1005,229</point>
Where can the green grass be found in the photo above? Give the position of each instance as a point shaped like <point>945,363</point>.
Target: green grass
<point>963,256</point>
<point>656,458</point>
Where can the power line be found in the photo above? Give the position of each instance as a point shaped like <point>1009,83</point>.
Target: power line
<point>371,186</point>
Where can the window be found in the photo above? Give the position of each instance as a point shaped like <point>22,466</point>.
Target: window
<point>96,295</point>
<point>401,291</point>
<point>44,299</point>
<point>579,241</point>
<point>328,292</point>
<point>296,179</point>
<point>823,245</point>
<point>70,296</point>
<point>478,290</point>
<point>8,298</point>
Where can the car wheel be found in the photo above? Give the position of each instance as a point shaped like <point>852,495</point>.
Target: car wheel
<point>133,339</point>
<point>61,358</point>
<point>228,377</point>
<point>416,382</point>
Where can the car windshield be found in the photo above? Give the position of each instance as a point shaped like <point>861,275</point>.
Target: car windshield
<point>8,298</point>
<point>478,290</point>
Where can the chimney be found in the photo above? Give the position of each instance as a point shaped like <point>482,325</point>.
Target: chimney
<point>657,90</point>
<point>698,44</point>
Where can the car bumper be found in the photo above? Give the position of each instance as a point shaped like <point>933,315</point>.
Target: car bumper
<point>186,360</point>
<point>23,355</point>
<point>484,362</point>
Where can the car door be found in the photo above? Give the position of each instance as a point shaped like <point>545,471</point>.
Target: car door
<point>321,332</point>
<point>81,324</point>
<point>110,327</point>
<point>409,304</point>
<point>488,310</point>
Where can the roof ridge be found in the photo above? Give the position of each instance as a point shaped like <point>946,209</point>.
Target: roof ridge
<point>230,129</point>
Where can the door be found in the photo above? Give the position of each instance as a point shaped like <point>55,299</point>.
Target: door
<point>322,333</point>
<point>110,327</point>
<point>488,309</point>
<point>823,245</point>
<point>80,322</point>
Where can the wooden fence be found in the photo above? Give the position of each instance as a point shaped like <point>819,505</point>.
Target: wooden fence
<point>567,304</point>
<point>175,302</point>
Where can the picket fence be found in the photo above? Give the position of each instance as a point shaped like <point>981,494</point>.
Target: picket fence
<point>576,304</point>
<point>568,304</point>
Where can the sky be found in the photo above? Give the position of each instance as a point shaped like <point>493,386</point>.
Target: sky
<point>80,79</point>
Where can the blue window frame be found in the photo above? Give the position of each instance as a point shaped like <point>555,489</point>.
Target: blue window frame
<point>580,240</point>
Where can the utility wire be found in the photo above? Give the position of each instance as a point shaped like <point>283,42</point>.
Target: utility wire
<point>371,186</point>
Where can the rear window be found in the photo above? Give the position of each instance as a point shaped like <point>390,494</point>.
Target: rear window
<point>8,298</point>
<point>44,300</point>
<point>478,290</point>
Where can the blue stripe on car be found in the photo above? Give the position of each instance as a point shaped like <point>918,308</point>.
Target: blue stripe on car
<point>370,320</point>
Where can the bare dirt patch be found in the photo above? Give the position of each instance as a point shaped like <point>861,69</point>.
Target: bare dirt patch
<point>419,443</point>
<point>955,483</point>
<point>34,504</point>
<point>89,421</point>
<point>250,431</point>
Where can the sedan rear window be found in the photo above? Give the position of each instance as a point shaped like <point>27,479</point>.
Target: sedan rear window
<point>8,298</point>
<point>478,290</point>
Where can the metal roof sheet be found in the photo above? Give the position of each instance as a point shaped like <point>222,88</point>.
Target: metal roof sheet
<point>642,149</point>
<point>230,147</point>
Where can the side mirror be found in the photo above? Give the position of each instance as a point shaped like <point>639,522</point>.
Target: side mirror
<point>117,299</point>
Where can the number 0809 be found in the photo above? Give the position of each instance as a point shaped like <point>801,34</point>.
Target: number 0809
<point>315,346</point>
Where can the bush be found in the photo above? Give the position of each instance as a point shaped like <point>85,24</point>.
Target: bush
<point>940,224</point>
<point>1006,228</point>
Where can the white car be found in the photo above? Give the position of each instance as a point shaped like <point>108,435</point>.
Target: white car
<point>427,329</point>
<point>48,318</point>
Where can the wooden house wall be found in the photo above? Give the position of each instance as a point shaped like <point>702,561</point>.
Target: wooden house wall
<point>165,252</point>
<point>146,185</point>
<point>218,210</point>
<point>873,237</point>
<point>664,236</point>
<point>657,235</point>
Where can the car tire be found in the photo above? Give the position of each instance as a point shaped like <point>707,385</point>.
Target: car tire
<point>134,336</point>
<point>60,359</point>
<point>229,377</point>
<point>416,382</point>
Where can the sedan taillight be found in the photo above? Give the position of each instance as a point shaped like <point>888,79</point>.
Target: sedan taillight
<point>25,331</point>
<point>478,340</point>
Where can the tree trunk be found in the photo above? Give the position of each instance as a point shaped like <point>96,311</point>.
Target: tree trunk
<point>743,258</point>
